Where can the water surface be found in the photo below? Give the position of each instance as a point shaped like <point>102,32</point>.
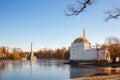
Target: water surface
<point>43,70</point>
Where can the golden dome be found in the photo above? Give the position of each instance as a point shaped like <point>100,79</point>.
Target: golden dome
<point>80,40</point>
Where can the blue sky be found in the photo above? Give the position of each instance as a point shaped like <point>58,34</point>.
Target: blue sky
<point>43,22</point>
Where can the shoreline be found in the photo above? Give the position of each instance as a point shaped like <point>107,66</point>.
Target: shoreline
<point>101,77</point>
<point>93,63</point>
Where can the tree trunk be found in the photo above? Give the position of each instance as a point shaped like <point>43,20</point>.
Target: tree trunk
<point>114,60</point>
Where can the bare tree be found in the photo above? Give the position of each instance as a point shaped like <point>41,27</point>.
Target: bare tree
<point>113,46</point>
<point>78,8</point>
<point>83,4</point>
<point>112,14</point>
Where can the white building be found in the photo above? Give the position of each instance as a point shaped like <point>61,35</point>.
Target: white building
<point>81,50</point>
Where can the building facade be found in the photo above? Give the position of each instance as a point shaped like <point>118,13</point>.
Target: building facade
<point>81,50</point>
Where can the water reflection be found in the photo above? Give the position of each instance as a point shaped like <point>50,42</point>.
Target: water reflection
<point>111,70</point>
<point>31,68</point>
<point>52,63</point>
<point>80,71</point>
<point>32,63</point>
<point>47,70</point>
<point>3,64</point>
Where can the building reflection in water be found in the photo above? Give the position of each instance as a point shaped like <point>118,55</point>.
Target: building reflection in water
<point>31,67</point>
<point>80,71</point>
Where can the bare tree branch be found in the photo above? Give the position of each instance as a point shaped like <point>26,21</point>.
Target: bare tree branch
<point>83,4</point>
<point>73,10</point>
<point>114,14</point>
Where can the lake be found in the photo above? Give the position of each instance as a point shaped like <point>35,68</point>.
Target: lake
<point>45,70</point>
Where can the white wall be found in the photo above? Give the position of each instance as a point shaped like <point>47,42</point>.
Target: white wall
<point>82,51</point>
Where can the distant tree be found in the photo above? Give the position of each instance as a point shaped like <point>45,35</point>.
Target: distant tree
<point>23,55</point>
<point>38,54</point>
<point>63,51</point>
<point>81,5</point>
<point>3,52</point>
<point>58,53</point>
<point>113,46</point>
<point>17,50</point>
<point>104,46</point>
<point>50,52</point>
<point>67,53</point>
<point>15,54</point>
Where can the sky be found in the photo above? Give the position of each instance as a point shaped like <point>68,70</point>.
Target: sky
<point>43,22</point>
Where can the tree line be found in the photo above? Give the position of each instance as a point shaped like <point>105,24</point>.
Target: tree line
<point>45,53</point>
<point>13,54</point>
<point>58,53</point>
<point>112,44</point>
